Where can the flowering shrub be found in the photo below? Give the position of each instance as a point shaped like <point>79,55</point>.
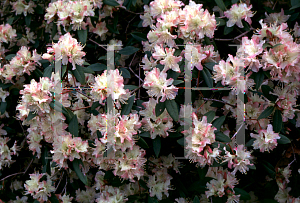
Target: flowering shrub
<point>149,101</point>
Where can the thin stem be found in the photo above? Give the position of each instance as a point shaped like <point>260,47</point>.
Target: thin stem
<point>216,100</point>
<point>98,44</point>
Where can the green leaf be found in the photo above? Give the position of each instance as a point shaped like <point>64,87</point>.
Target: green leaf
<point>63,70</point>
<point>159,108</point>
<point>250,142</point>
<point>177,82</point>
<point>39,10</point>
<point>10,20</point>
<point>54,30</point>
<point>295,6</point>
<point>269,168</point>
<point>219,122</point>
<point>46,161</point>
<point>220,22</point>
<point>79,74</point>
<point>142,143</point>
<point>73,126</point>
<point>228,30</point>
<point>37,74</point>
<point>95,105</point>
<point>130,87</point>
<point>145,134</point>
<point>30,116</point>
<point>28,20</point>
<point>196,200</point>
<point>3,107</point>
<point>172,109</point>
<point>48,71</point>
<point>88,70</point>
<point>207,77</point>
<point>265,45</point>
<point>210,116</point>
<point>53,198</point>
<point>221,4</point>
<point>10,56</point>
<point>139,36</point>
<point>244,195</point>
<point>181,141</point>
<point>266,112</point>
<point>76,162</point>
<point>128,50</point>
<point>283,140</point>
<point>277,121</point>
<point>156,145</point>
<point>222,137</point>
<point>127,107</point>
<point>210,65</point>
<point>258,79</point>
<point>266,92</point>
<point>6,85</point>
<point>276,45</point>
<point>234,1</point>
<point>97,67</point>
<point>59,107</point>
<point>124,73</point>
<point>152,200</point>
<point>111,2</point>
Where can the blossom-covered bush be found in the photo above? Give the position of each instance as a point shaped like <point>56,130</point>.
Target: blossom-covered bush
<point>149,101</point>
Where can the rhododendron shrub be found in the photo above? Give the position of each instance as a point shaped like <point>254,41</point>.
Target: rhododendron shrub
<point>143,101</point>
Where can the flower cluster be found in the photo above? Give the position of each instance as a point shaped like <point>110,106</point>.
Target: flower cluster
<point>240,160</point>
<point>22,6</point>
<point>155,125</point>
<point>110,83</point>
<point>70,13</point>
<point>237,13</point>
<point>266,139</point>
<point>223,183</point>
<point>37,188</point>
<point>67,49</point>
<point>5,151</point>
<point>23,62</point>
<point>118,132</point>
<point>198,138</point>
<point>7,33</point>
<point>67,148</point>
<point>158,86</point>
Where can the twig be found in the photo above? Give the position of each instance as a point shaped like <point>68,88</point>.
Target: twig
<point>130,11</point>
<point>59,180</point>
<point>216,100</point>
<point>18,172</point>
<point>98,44</point>
<point>133,71</point>
<point>84,94</point>
<point>235,38</point>
<point>136,89</point>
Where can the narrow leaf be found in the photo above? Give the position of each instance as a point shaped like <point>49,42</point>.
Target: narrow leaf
<point>228,30</point>
<point>3,107</point>
<point>156,145</point>
<point>277,121</point>
<point>207,77</point>
<point>219,122</point>
<point>142,143</point>
<point>124,73</point>
<point>82,36</point>
<point>128,50</point>
<point>73,126</point>
<point>81,176</point>
<point>266,112</point>
<point>221,4</point>
<point>283,140</point>
<point>172,109</point>
<point>97,67</point>
<point>127,107</point>
<point>222,137</point>
<point>210,116</point>
<point>111,2</point>
<point>79,74</point>
<point>258,79</point>
<point>244,195</point>
<point>30,116</point>
<point>159,108</point>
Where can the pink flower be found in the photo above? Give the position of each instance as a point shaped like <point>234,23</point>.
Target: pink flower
<point>237,13</point>
<point>158,86</point>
